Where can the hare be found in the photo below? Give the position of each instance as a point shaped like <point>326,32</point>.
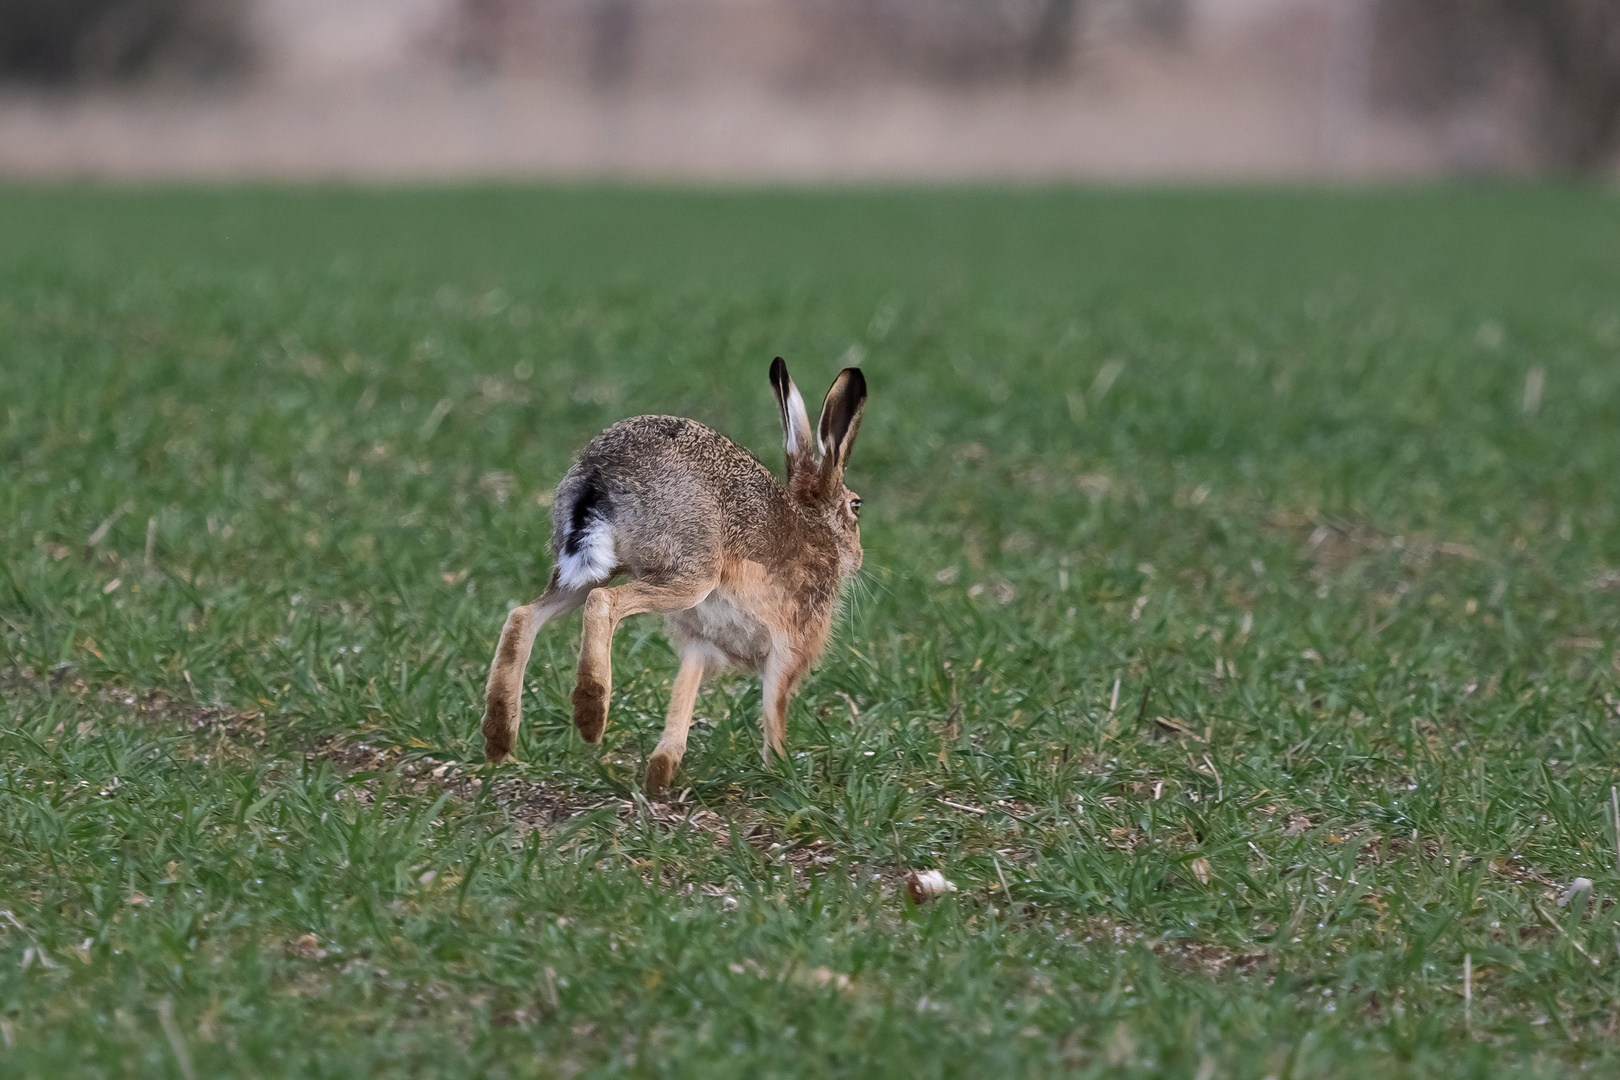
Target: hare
<point>745,570</point>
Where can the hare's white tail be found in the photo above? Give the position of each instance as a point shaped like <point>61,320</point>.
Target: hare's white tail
<point>503,692</point>
<point>585,549</point>
<point>587,557</point>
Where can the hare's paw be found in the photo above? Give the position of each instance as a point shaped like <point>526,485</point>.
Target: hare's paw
<point>499,727</point>
<point>590,708</point>
<point>661,769</point>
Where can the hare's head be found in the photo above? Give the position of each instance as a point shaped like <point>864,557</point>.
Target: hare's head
<point>815,463</point>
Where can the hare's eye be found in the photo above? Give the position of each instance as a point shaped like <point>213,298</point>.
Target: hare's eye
<point>855,506</point>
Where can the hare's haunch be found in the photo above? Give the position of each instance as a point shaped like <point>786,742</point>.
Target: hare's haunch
<point>745,570</point>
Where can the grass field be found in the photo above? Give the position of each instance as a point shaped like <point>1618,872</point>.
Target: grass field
<point>1238,632</point>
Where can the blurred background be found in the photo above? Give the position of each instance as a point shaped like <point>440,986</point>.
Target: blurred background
<point>809,89</point>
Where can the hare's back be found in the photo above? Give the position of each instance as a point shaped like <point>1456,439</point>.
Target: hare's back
<point>656,493</point>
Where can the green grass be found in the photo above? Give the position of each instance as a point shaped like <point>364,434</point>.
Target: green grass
<point>1273,462</point>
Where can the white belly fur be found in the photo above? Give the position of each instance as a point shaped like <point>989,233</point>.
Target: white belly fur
<point>732,635</point>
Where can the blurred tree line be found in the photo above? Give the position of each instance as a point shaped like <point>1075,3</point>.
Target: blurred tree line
<point>1550,67</point>
<point>67,42</point>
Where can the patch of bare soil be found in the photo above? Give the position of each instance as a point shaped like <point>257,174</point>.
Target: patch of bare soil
<point>373,768</point>
<point>219,733</point>
<point>1332,544</point>
<point>376,766</point>
<point>1209,959</point>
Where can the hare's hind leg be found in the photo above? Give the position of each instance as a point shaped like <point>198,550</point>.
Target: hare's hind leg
<point>666,758</point>
<point>503,692</point>
<point>603,610</point>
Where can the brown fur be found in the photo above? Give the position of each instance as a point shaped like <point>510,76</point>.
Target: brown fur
<point>500,717</point>
<point>746,571</point>
<point>503,691</point>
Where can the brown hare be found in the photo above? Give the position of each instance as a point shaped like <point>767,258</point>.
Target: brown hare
<point>745,570</point>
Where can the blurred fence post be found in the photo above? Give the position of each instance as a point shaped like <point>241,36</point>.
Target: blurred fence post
<point>1346,81</point>
<point>1052,40</point>
<point>613,39</point>
<point>1576,44</point>
<point>483,27</point>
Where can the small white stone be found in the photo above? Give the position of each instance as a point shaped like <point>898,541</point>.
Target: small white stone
<point>1576,887</point>
<point>926,885</point>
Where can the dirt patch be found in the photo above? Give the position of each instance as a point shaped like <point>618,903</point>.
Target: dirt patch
<point>373,768</point>
<point>1333,544</point>
<point>220,733</point>
<point>1204,958</point>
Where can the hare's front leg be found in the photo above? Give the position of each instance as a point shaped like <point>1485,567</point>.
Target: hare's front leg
<point>603,610</point>
<point>666,758</point>
<point>783,671</point>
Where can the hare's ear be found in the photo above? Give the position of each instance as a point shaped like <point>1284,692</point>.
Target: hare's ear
<point>841,418</point>
<point>795,421</point>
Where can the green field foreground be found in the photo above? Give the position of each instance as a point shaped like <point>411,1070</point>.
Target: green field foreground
<point>1238,632</point>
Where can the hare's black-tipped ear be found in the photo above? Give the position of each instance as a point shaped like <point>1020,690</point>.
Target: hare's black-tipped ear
<point>841,417</point>
<point>795,421</point>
